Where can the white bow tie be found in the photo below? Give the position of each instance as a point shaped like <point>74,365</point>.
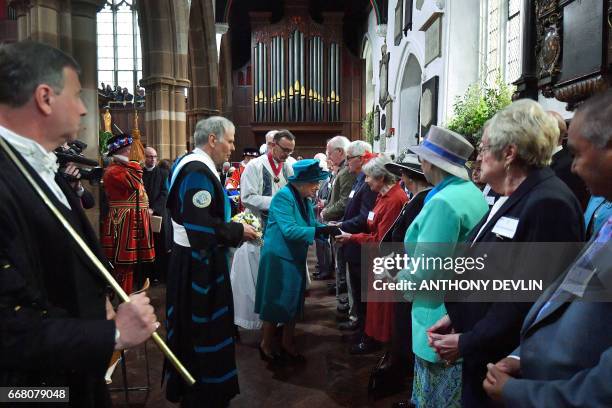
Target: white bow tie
<point>48,162</point>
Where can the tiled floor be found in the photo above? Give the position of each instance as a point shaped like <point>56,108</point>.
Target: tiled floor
<point>331,377</point>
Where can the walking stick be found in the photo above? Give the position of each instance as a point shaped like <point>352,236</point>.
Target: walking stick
<point>94,260</point>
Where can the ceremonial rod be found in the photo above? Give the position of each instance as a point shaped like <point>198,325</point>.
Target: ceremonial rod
<point>106,274</point>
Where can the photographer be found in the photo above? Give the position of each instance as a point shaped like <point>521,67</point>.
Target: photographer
<point>70,156</point>
<point>87,199</point>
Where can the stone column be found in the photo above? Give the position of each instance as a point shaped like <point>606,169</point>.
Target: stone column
<point>203,63</point>
<point>40,20</point>
<point>163,26</point>
<point>83,22</point>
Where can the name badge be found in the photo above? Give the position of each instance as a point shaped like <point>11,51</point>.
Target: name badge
<point>371,216</point>
<point>490,200</point>
<point>506,227</point>
<point>352,194</point>
<point>577,280</point>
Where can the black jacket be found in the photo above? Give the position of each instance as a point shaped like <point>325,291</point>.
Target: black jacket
<point>155,183</point>
<point>546,211</point>
<point>53,327</point>
<point>562,166</point>
<point>356,215</point>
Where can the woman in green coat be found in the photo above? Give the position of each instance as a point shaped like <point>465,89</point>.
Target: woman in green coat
<point>452,208</point>
<point>281,281</point>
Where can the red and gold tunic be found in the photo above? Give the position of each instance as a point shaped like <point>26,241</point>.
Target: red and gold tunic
<point>127,237</point>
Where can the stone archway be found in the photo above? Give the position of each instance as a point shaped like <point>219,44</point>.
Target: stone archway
<point>409,99</point>
<point>369,75</point>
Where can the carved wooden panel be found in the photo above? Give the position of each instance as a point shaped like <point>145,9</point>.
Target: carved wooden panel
<point>573,47</point>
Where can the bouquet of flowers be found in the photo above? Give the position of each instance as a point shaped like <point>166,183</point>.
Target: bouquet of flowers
<point>250,219</point>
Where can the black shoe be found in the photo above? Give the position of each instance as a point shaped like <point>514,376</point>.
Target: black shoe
<point>365,346</point>
<point>403,404</point>
<point>269,358</point>
<point>343,308</point>
<point>292,358</point>
<point>350,325</point>
<point>342,317</point>
<point>352,337</point>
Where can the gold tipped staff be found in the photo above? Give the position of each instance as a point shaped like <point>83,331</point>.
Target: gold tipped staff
<point>101,268</point>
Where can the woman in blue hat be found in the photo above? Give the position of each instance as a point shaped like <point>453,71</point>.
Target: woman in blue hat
<point>291,229</point>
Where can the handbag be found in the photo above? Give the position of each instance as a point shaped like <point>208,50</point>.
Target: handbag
<point>386,378</point>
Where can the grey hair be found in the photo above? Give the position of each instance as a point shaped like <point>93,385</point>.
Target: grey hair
<point>270,135</point>
<point>358,148</point>
<point>26,65</point>
<point>527,126</point>
<point>595,125</point>
<point>376,168</point>
<point>339,142</point>
<point>215,125</point>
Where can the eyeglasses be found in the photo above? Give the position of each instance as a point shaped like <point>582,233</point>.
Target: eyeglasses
<point>483,148</point>
<point>286,150</point>
<point>351,157</point>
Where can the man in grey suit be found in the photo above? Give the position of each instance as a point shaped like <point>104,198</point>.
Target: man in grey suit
<point>334,210</point>
<point>565,355</point>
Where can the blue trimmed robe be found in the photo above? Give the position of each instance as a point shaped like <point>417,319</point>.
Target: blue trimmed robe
<point>200,318</point>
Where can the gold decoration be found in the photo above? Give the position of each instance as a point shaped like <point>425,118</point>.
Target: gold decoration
<point>283,93</point>
<point>107,121</point>
<point>137,151</point>
<point>303,90</point>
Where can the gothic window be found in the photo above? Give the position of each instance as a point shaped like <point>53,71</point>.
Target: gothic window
<point>119,51</point>
<point>500,40</point>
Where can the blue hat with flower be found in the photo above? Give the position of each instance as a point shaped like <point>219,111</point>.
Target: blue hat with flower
<point>306,171</point>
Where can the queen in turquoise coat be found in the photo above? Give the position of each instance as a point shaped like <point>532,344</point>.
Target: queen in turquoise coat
<point>281,281</point>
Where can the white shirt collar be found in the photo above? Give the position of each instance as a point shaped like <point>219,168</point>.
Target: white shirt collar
<point>208,161</point>
<point>557,149</point>
<point>149,168</point>
<point>38,157</point>
<point>121,158</point>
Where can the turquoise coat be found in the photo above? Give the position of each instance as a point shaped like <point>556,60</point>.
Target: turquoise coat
<point>453,210</point>
<point>281,279</point>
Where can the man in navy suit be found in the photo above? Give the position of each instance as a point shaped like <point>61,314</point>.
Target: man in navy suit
<point>565,355</point>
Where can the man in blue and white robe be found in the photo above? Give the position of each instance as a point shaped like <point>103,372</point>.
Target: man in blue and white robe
<point>200,318</point>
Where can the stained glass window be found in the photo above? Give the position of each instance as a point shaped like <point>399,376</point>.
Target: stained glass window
<point>119,52</point>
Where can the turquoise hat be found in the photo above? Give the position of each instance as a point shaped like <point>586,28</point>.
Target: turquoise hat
<point>306,171</point>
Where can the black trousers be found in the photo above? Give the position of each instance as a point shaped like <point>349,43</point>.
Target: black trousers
<point>401,338</point>
<point>324,256</point>
<point>354,274</point>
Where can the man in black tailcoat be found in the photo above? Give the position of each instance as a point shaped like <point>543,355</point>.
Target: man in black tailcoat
<point>57,328</point>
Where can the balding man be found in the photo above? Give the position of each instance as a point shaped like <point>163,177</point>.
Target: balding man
<point>562,164</point>
<point>154,179</point>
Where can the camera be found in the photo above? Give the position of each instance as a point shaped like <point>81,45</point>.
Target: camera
<point>72,152</point>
